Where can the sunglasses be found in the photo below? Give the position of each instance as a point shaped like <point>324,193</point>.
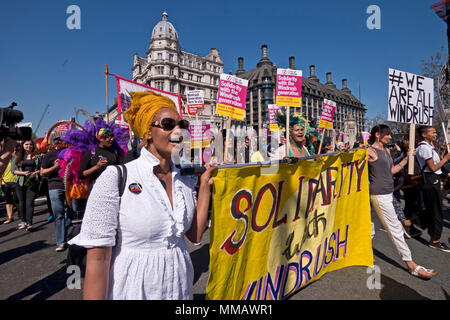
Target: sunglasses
<point>168,124</point>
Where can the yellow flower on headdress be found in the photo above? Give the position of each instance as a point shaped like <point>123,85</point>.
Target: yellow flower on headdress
<point>144,106</point>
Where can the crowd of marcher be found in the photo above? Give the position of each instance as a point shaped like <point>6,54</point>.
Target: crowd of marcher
<point>133,237</point>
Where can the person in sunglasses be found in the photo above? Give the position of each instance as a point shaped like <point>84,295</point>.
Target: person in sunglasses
<point>136,247</point>
<point>94,162</point>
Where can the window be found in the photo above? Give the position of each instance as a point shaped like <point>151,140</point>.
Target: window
<point>160,56</point>
<point>190,64</point>
<point>170,57</point>
<point>215,69</point>
<point>199,65</point>
<point>159,70</point>
<point>199,79</point>
<point>160,85</point>
<point>189,76</point>
<point>181,75</point>
<point>182,89</point>
<point>172,71</point>
<point>172,86</point>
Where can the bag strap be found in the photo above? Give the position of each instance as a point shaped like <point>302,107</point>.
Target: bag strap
<point>122,178</point>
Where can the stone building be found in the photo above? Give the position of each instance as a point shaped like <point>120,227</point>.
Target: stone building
<point>262,92</point>
<point>167,67</point>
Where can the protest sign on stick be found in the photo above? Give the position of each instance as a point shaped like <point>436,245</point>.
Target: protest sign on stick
<point>365,136</point>
<point>273,110</point>
<point>289,94</point>
<point>194,101</point>
<point>231,97</point>
<point>326,118</point>
<point>411,100</point>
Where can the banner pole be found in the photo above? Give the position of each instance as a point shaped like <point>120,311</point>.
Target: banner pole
<point>227,137</point>
<point>287,132</point>
<point>185,109</point>
<point>445,136</point>
<point>107,98</point>
<point>412,138</point>
<point>442,117</point>
<point>321,141</point>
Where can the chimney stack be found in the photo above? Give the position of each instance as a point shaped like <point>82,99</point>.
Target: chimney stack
<point>344,83</point>
<point>312,73</point>
<point>264,51</point>
<point>329,77</point>
<point>240,69</point>
<point>292,63</point>
<point>241,63</point>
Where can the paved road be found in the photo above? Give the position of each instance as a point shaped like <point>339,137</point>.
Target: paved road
<point>30,268</point>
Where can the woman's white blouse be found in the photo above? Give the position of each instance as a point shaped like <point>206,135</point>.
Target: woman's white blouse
<point>150,259</point>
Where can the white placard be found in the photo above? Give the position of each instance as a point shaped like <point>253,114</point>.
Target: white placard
<point>411,98</point>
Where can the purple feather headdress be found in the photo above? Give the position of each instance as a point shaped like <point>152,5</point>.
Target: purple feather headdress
<point>84,140</point>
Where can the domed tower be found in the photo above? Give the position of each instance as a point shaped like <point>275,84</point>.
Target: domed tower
<point>164,35</point>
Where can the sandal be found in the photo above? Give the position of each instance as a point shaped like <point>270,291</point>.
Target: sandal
<point>8,221</point>
<point>417,270</point>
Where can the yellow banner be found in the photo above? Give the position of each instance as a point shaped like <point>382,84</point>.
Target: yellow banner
<point>273,234</point>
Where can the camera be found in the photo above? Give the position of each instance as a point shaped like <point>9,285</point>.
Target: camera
<point>9,116</point>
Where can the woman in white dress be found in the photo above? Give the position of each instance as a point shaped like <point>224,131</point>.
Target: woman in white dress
<point>136,248</point>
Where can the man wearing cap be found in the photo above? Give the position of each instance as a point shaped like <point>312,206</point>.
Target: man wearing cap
<point>94,162</point>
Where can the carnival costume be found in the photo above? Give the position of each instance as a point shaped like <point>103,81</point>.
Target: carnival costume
<point>296,118</point>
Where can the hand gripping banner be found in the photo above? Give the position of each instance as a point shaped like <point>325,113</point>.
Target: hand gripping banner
<point>274,234</point>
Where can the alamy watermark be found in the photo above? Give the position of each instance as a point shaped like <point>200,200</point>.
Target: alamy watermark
<point>374,20</point>
<point>74,279</point>
<point>374,280</point>
<point>73,22</point>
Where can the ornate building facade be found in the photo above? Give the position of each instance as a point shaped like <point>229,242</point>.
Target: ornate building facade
<point>167,67</point>
<point>262,92</point>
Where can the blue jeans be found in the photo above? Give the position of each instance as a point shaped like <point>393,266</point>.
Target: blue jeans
<point>62,218</point>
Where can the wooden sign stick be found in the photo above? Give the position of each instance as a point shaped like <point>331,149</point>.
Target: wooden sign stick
<point>227,138</point>
<point>321,141</point>
<point>287,132</point>
<point>107,98</point>
<point>412,138</point>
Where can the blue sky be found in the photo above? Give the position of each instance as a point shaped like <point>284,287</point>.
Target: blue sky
<point>43,62</point>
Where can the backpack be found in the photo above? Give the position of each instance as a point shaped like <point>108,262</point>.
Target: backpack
<point>76,255</point>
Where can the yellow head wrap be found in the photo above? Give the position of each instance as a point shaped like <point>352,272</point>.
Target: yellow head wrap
<point>144,106</point>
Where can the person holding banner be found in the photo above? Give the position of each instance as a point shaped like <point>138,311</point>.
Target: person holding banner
<point>431,164</point>
<point>136,247</point>
<point>381,186</point>
<point>298,130</point>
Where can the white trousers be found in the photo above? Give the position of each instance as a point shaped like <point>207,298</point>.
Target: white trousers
<point>384,207</point>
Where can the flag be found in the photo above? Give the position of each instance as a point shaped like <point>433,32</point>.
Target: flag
<point>125,86</point>
<point>442,9</point>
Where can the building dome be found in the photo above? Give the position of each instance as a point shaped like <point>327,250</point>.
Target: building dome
<point>164,28</point>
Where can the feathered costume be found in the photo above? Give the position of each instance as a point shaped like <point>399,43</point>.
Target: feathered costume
<point>75,142</point>
<point>296,118</point>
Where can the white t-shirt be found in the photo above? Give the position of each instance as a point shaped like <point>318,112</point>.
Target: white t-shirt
<point>424,152</point>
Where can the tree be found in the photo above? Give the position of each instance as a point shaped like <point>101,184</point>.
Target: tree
<point>431,69</point>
